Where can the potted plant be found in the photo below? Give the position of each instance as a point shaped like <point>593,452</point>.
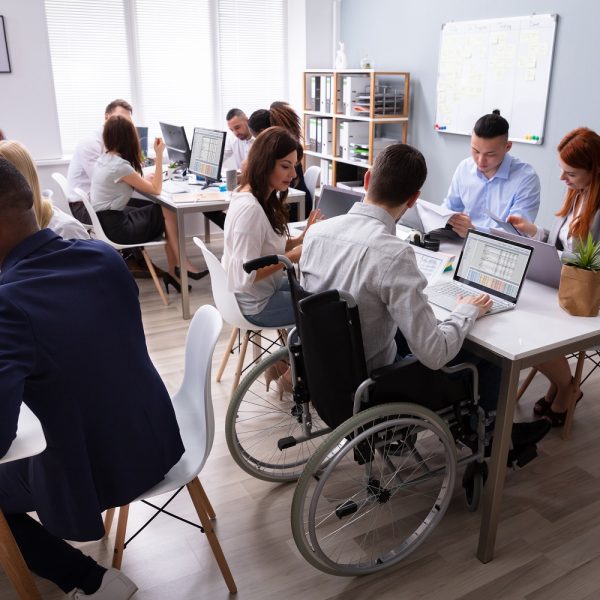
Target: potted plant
<point>579,290</point>
<point>171,169</point>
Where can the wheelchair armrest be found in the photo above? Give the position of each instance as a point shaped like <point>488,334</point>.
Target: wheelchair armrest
<point>463,367</point>
<point>390,370</point>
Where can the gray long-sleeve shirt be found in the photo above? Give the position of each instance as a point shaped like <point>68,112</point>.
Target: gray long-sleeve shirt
<point>360,254</point>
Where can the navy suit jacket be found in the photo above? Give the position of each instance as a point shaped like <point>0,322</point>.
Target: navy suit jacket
<point>72,348</point>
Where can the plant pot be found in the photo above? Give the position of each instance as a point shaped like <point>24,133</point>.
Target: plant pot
<point>579,291</point>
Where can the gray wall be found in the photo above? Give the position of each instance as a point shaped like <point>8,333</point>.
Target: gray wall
<point>405,36</point>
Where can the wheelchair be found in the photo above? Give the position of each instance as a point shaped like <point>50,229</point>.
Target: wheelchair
<point>381,480</point>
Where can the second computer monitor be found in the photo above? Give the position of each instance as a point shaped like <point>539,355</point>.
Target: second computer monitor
<point>177,144</point>
<point>206,159</point>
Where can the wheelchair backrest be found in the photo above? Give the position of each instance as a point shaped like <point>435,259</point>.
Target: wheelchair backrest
<point>333,353</point>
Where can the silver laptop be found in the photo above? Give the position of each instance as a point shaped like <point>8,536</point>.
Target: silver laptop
<point>488,264</point>
<point>335,201</point>
<point>545,264</point>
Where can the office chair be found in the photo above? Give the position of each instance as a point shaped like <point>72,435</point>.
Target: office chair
<point>194,413</point>
<point>230,311</point>
<point>311,180</point>
<point>100,235</point>
<point>30,441</point>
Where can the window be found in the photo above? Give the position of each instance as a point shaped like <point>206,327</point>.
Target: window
<point>187,65</point>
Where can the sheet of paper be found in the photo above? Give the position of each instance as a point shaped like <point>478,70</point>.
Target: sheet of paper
<point>431,264</point>
<point>433,216</point>
<point>196,197</point>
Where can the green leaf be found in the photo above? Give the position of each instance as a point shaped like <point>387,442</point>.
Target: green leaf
<point>586,255</point>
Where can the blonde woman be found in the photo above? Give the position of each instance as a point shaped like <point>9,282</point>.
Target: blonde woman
<point>47,215</point>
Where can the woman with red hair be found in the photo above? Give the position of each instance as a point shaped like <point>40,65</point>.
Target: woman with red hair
<point>579,159</point>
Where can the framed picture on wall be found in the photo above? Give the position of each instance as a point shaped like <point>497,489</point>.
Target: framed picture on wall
<point>4,60</point>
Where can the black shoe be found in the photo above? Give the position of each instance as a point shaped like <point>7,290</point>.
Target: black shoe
<point>191,274</point>
<point>168,280</point>
<point>524,434</point>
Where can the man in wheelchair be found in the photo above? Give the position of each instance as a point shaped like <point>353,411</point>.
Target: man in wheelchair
<point>360,254</point>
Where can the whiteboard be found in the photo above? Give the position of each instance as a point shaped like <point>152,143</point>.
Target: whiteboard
<point>496,63</point>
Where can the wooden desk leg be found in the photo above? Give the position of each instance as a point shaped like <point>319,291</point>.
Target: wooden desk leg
<point>14,565</point>
<point>495,482</point>
<point>301,208</point>
<point>206,229</point>
<point>185,294</point>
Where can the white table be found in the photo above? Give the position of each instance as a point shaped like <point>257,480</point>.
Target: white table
<point>221,202</point>
<point>535,331</point>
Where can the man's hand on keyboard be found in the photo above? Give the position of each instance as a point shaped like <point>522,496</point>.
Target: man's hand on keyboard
<point>483,302</point>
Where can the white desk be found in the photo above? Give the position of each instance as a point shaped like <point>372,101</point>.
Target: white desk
<point>221,202</point>
<point>535,331</point>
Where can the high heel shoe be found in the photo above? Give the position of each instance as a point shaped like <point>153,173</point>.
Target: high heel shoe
<point>542,406</point>
<point>168,280</point>
<point>191,274</point>
<point>558,419</point>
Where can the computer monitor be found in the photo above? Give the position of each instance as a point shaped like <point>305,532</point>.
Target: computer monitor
<point>143,135</point>
<point>178,148</point>
<point>206,159</point>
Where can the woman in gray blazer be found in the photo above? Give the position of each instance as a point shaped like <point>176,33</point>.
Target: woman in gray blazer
<point>579,159</point>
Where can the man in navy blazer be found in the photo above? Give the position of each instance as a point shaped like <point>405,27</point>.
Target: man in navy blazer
<point>72,348</point>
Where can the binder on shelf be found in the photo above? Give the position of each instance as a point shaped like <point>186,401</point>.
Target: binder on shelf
<point>312,134</point>
<point>326,136</point>
<point>326,172</point>
<point>352,132</point>
<point>352,87</point>
<point>328,93</point>
<point>315,92</point>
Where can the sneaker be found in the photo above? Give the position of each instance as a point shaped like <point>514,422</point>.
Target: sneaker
<point>115,586</point>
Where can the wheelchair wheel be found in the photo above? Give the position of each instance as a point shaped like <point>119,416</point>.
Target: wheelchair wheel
<point>378,496</point>
<point>266,435</point>
<point>473,481</point>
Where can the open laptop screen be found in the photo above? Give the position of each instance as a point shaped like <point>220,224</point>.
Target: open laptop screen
<point>493,265</point>
<point>336,201</point>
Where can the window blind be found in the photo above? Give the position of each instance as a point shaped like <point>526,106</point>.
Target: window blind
<point>90,64</point>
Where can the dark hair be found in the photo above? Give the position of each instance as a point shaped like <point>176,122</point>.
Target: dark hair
<point>491,126</point>
<point>2,136</point>
<point>398,173</point>
<point>259,121</point>
<point>120,136</point>
<point>112,106</point>
<point>15,193</point>
<point>270,146</point>
<point>235,112</point>
<point>283,115</point>
<point>580,149</point>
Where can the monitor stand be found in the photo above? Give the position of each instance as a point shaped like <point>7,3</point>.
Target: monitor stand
<point>210,183</point>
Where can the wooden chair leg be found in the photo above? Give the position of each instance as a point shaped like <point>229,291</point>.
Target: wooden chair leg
<point>194,489</point>
<point>108,521</point>
<point>256,346</point>
<point>154,276</point>
<point>205,501</point>
<point>240,363</point>
<point>120,539</point>
<point>14,566</point>
<point>566,433</point>
<point>532,373</point>
<point>227,354</point>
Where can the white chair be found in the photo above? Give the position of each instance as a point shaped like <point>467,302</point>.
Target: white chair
<point>62,199</point>
<point>30,441</point>
<point>194,412</point>
<point>100,235</point>
<point>230,311</point>
<point>311,180</point>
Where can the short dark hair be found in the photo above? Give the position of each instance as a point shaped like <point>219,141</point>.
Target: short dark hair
<point>235,112</point>
<point>15,193</point>
<point>399,172</point>
<point>491,126</point>
<point>112,106</point>
<point>259,121</point>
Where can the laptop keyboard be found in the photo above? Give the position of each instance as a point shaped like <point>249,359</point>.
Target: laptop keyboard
<point>171,187</point>
<point>446,295</point>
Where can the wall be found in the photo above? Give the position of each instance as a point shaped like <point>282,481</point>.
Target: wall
<point>406,35</point>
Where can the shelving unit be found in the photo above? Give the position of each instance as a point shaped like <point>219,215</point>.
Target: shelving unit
<point>349,116</point>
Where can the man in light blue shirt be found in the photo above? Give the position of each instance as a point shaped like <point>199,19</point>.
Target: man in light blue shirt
<point>491,181</point>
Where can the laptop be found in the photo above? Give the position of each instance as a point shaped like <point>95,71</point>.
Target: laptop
<point>335,201</point>
<point>488,264</point>
<point>545,264</point>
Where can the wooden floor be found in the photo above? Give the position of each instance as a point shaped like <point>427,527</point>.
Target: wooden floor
<point>548,543</point>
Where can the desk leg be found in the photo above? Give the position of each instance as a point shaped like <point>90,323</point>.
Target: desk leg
<point>302,208</point>
<point>185,294</point>
<point>495,482</point>
<point>14,565</point>
<point>206,229</point>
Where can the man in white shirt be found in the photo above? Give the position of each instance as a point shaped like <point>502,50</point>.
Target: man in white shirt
<point>84,160</point>
<point>238,145</point>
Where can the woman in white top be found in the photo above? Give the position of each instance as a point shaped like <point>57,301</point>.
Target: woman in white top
<point>46,213</point>
<point>579,159</point>
<point>256,225</point>
<point>117,173</point>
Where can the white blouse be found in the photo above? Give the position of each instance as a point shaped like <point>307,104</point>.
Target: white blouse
<point>66,226</point>
<point>248,235</point>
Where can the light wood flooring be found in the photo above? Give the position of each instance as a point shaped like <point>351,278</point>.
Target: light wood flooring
<point>548,544</point>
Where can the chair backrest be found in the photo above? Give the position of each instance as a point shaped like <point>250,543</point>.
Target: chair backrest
<point>193,401</point>
<point>311,179</point>
<point>61,199</point>
<point>332,353</point>
<point>96,225</point>
<point>224,299</point>
<point>30,439</point>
